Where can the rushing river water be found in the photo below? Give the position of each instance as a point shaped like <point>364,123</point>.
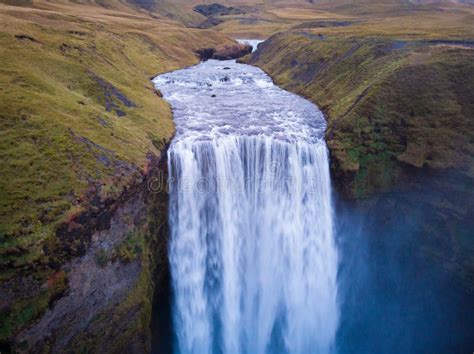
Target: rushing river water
<point>252,251</point>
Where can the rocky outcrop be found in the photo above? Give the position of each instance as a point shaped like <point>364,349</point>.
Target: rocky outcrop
<point>205,53</point>
<point>214,13</point>
<point>216,9</point>
<point>235,51</point>
<point>210,22</point>
<point>226,52</point>
<point>105,268</point>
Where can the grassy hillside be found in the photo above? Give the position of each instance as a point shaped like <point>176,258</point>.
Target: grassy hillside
<point>78,117</point>
<point>400,123</point>
<point>263,18</point>
<point>390,102</point>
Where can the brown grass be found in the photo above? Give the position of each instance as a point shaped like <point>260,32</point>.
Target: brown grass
<point>77,109</point>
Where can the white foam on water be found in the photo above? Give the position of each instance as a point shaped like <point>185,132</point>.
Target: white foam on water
<point>252,251</point>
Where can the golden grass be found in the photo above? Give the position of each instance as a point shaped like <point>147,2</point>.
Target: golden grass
<point>452,24</point>
<point>58,140</point>
<point>303,14</point>
<point>78,115</point>
<point>389,19</point>
<point>64,62</point>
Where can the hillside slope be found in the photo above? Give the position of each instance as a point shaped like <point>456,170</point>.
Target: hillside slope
<point>81,128</point>
<point>400,128</point>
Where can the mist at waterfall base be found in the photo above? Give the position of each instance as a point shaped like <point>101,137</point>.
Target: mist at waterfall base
<point>395,296</point>
<point>253,256</point>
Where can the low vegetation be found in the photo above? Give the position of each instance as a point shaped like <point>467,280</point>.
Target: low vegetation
<point>398,96</point>
<point>392,98</point>
<point>78,118</point>
<point>78,109</point>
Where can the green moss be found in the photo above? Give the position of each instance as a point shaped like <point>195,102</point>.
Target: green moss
<point>29,306</point>
<point>102,258</point>
<point>389,102</point>
<point>78,116</point>
<point>130,248</point>
<point>59,135</point>
<point>136,308</point>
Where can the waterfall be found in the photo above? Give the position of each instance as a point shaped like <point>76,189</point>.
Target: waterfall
<point>252,251</point>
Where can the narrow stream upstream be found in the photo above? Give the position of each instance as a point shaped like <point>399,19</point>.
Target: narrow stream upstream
<point>252,252</point>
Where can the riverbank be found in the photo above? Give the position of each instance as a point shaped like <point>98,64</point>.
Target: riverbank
<point>82,131</point>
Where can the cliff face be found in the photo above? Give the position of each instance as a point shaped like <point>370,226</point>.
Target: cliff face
<point>102,273</point>
<point>400,130</point>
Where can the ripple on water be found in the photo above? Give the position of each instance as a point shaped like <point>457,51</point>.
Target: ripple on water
<point>215,99</point>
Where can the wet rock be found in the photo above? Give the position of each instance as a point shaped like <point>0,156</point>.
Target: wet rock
<point>205,53</point>
<point>233,51</point>
<point>99,295</point>
<point>158,93</point>
<point>226,52</point>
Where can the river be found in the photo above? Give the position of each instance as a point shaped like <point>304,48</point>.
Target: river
<point>252,252</point>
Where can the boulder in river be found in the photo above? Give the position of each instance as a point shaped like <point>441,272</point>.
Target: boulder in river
<point>226,52</point>
<point>205,53</point>
<point>233,51</point>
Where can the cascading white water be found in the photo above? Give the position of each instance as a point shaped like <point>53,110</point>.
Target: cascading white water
<point>252,252</point>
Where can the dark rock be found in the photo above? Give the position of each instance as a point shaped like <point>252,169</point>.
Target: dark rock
<point>95,296</point>
<point>234,51</point>
<point>210,22</point>
<point>103,220</point>
<point>205,53</point>
<point>324,24</point>
<point>144,4</point>
<point>64,47</point>
<point>78,33</point>
<point>113,98</point>
<point>217,10</point>
<point>25,37</point>
<point>103,122</point>
<point>120,113</point>
<point>226,52</point>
